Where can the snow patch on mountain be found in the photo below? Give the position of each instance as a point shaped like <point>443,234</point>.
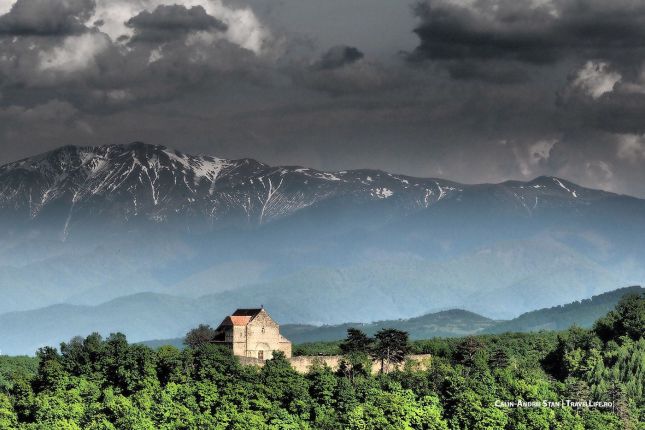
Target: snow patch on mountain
<point>120,183</point>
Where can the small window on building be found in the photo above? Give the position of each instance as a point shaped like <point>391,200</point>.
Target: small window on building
<point>262,330</point>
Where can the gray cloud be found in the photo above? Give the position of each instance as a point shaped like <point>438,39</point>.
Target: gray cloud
<point>339,56</point>
<point>498,72</point>
<point>495,89</point>
<point>528,33</point>
<point>47,17</point>
<point>523,31</point>
<point>449,31</point>
<point>169,22</point>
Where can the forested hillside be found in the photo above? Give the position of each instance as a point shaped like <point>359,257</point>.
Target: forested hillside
<point>455,322</point>
<point>582,314</point>
<point>96,383</point>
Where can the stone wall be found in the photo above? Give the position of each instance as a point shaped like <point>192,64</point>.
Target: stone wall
<point>251,361</point>
<point>238,339</point>
<point>285,346</point>
<point>303,363</point>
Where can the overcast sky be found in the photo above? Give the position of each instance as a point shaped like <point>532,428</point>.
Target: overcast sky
<point>469,90</point>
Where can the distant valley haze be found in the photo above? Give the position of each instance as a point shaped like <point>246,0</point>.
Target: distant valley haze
<point>145,228</point>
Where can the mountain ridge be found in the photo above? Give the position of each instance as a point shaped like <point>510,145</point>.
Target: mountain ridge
<point>88,225</point>
<point>145,316</point>
<point>157,184</point>
<point>582,313</point>
<point>588,311</point>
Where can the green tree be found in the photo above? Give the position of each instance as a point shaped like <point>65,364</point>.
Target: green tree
<point>170,365</point>
<point>616,394</point>
<point>23,399</point>
<point>356,342</point>
<point>345,398</point>
<point>285,386</point>
<point>467,350</point>
<point>61,409</point>
<point>628,319</point>
<point>199,336</point>
<point>355,364</point>
<point>124,414</point>
<point>322,384</point>
<point>83,356</point>
<point>51,374</point>
<point>8,417</point>
<point>214,363</point>
<point>390,347</point>
<point>466,409</point>
<point>128,368</point>
<point>498,359</point>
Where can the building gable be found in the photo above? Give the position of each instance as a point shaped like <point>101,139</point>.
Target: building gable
<point>262,318</point>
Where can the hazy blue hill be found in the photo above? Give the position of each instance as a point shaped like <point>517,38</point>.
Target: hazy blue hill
<point>167,318</point>
<point>458,322</point>
<point>582,313</point>
<point>142,316</point>
<point>330,296</point>
<point>455,322</point>
<point>450,323</point>
<point>499,281</point>
<point>156,316</point>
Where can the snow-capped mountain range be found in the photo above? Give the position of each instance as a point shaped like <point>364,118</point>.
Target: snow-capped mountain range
<point>121,183</point>
<point>145,227</point>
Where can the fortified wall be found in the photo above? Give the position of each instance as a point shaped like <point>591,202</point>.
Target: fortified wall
<point>302,364</point>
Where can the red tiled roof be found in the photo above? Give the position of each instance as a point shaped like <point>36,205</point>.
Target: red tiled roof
<point>235,320</point>
<point>240,320</point>
<point>240,317</point>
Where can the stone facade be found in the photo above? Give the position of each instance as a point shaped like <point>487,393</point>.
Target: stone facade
<point>252,333</point>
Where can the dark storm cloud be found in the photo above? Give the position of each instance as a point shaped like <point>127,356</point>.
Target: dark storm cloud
<point>339,56</point>
<point>169,22</point>
<point>46,17</point>
<point>344,70</point>
<point>539,34</point>
<point>498,72</point>
<point>616,112</point>
<point>98,75</point>
<point>529,33</point>
<point>450,32</point>
<point>495,89</point>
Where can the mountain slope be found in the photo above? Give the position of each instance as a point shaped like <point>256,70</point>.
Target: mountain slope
<point>583,313</point>
<point>455,322</point>
<point>159,316</point>
<point>73,186</point>
<point>459,322</point>
<point>142,316</point>
<point>83,226</point>
<point>488,281</point>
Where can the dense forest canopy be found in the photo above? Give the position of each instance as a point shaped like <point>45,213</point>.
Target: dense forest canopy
<point>95,383</point>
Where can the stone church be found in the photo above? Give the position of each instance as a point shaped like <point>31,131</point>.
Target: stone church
<point>252,333</point>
